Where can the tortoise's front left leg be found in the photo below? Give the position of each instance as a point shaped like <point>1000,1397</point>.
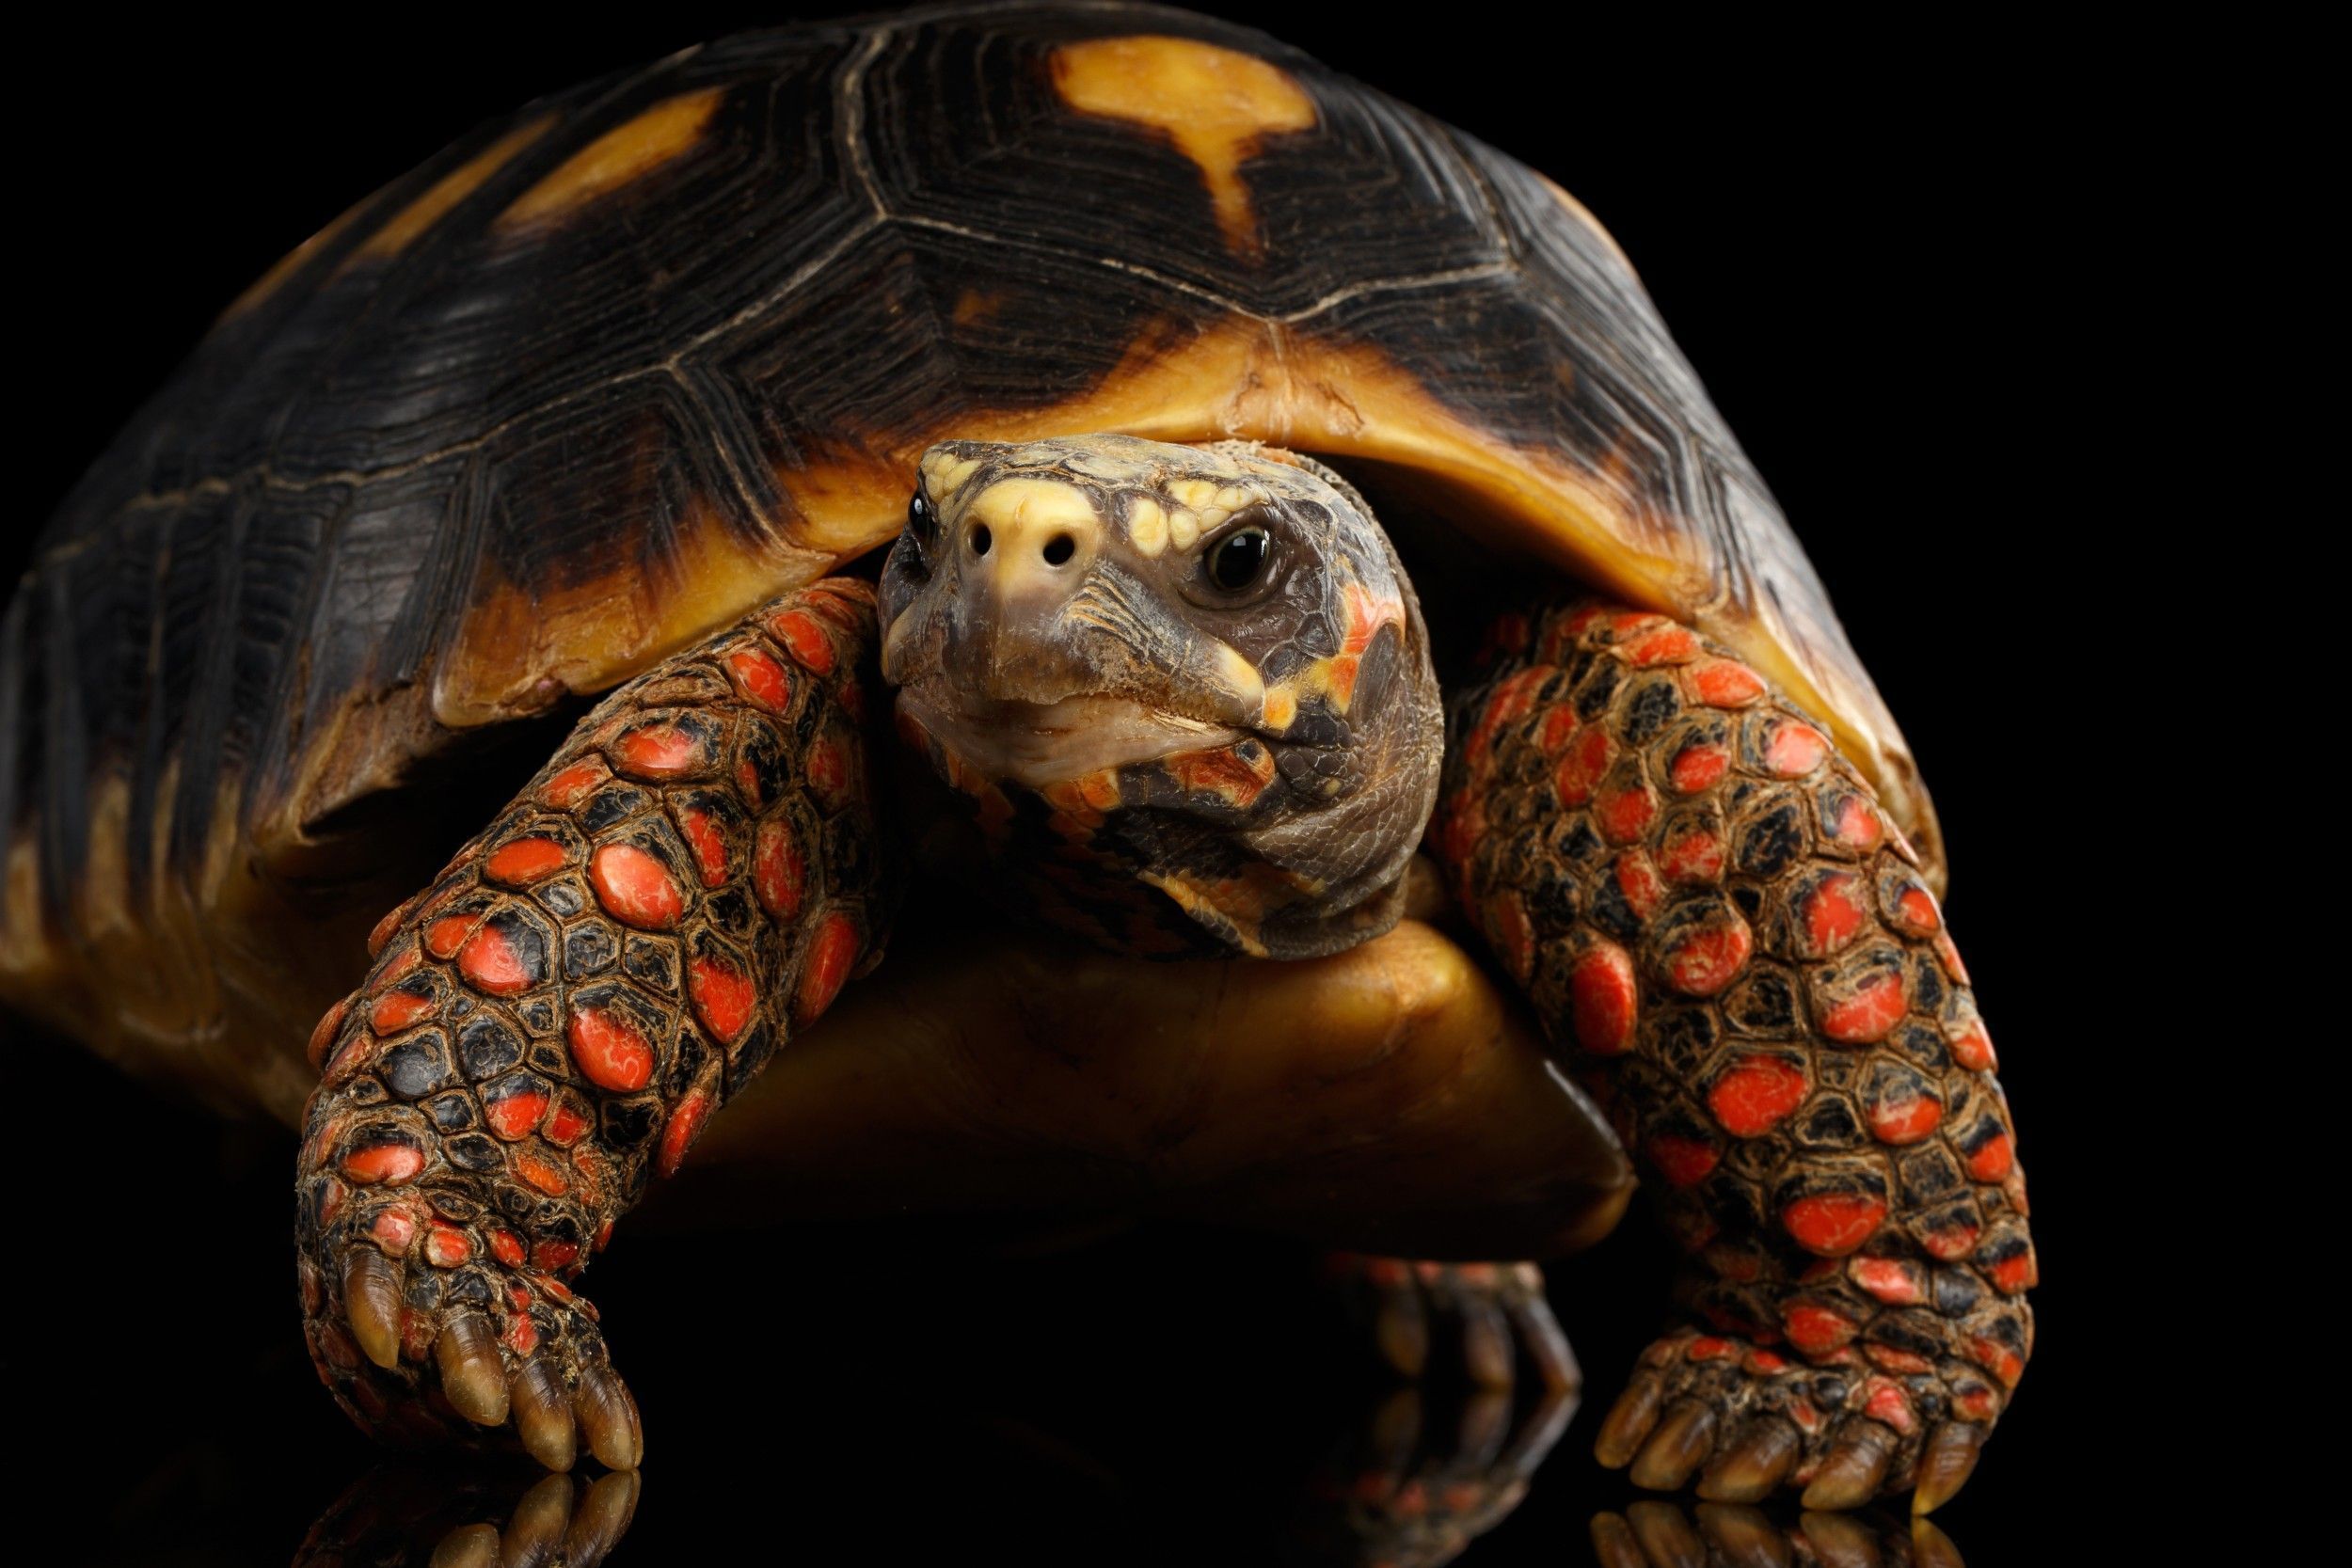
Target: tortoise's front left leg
<point>1737,954</point>
<point>689,881</point>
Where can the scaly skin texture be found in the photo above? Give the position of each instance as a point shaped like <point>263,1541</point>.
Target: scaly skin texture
<point>1733,950</point>
<point>688,882</point>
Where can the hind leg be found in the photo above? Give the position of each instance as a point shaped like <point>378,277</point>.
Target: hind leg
<point>1733,950</point>
<point>546,1028</point>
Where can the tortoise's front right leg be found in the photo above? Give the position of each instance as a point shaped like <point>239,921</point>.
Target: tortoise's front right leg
<point>1737,954</point>
<point>689,881</point>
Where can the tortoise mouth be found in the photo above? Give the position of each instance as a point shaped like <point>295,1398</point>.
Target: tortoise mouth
<point>1038,745</point>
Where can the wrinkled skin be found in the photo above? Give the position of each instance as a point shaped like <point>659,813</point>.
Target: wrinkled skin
<point>1259,753</point>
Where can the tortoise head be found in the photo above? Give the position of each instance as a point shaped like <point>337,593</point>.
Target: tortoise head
<point>1188,687</point>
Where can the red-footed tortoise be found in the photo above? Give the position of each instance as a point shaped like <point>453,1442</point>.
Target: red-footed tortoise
<point>626,397</point>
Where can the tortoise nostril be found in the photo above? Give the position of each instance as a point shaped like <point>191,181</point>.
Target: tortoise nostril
<point>1059,549</point>
<point>981,539</point>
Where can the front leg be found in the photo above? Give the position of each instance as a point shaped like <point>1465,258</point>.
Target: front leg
<point>1734,949</point>
<point>688,883</point>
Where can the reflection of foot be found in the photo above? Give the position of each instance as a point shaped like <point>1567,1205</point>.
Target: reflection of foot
<point>1659,1534</point>
<point>1428,1319</point>
<point>489,1518</point>
<point>1424,1477</point>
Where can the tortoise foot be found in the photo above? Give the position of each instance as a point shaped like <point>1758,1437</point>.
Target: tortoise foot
<point>1742,1423</point>
<point>1657,1534</point>
<point>1428,1473</point>
<point>1486,1318</point>
<point>427,1335</point>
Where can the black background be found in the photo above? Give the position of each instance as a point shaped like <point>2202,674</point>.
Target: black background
<point>1899,262</point>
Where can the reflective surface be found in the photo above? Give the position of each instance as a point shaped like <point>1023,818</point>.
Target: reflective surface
<point>888,1394</point>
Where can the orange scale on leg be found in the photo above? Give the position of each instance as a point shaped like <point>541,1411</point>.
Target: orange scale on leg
<point>804,640</point>
<point>1833,1224</point>
<point>685,1126</point>
<point>1514,939</point>
<point>706,843</point>
<point>399,1009</point>
<point>389,1163</point>
<point>324,1034</point>
<point>1666,645</point>
<point>1604,1000</point>
<point>1691,854</point>
<point>446,1246</point>
<point>1699,768</point>
<point>1626,811</point>
<point>777,870</point>
<point>1830,915</point>
<point>724,997</point>
<point>1866,1016</point>
<point>1684,1162</point>
<point>831,953</point>
<point>384,927</point>
<point>393,1230</point>
<point>1638,880</point>
<point>445,936</point>
<point>1815,1330</point>
<point>1705,960</point>
<point>1756,1094</point>
<point>573,784</point>
<point>1725,683</point>
<point>611,1052</point>
<point>1582,765</point>
<point>542,1173</point>
<point>520,862</point>
<point>761,680</point>
<point>1794,750</point>
<point>635,887</point>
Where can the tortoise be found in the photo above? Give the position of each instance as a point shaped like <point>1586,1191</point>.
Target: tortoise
<point>1421,777</point>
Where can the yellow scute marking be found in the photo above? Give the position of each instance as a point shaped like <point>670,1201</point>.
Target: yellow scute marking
<point>453,187</point>
<point>621,156</point>
<point>287,265</point>
<point>1217,104</point>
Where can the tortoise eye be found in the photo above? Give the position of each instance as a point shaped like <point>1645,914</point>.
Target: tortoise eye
<point>922,520</point>
<point>1239,558</point>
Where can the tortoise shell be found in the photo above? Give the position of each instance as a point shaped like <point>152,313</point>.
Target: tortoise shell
<point>604,374</point>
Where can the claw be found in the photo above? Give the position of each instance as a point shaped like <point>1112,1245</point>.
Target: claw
<point>1486,1344</point>
<point>1666,1535</point>
<point>471,1374</point>
<point>1743,1537</point>
<point>467,1546</point>
<point>543,1417</point>
<point>537,1526</point>
<point>1754,1464</point>
<point>1547,1346</point>
<point>602,1517</point>
<point>1675,1450</point>
<point>371,1301</point>
<point>1945,1466</point>
<point>1614,1544</point>
<point>1486,1427</point>
<point>1400,1328</point>
<point>609,1418</point>
<point>1931,1547</point>
<point>1849,1477</point>
<point>1841,1541</point>
<point>1629,1420</point>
